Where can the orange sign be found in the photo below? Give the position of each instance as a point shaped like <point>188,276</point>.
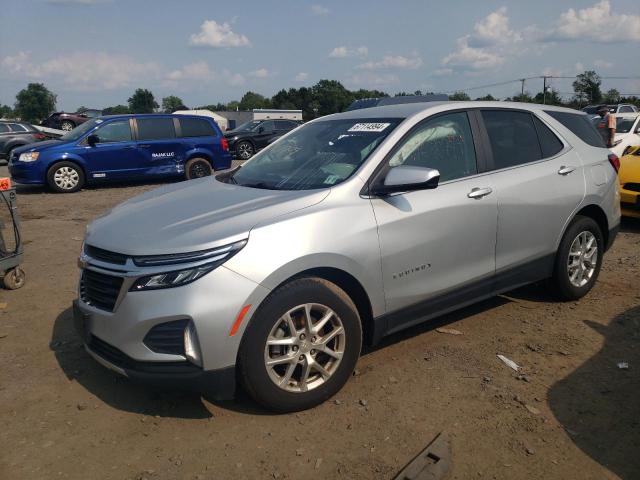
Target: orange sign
<point>5,183</point>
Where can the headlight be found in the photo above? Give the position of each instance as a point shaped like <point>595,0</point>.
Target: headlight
<point>176,278</point>
<point>29,157</point>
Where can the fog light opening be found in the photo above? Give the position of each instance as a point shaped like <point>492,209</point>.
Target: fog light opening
<point>192,344</point>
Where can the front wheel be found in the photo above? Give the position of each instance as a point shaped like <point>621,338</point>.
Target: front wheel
<point>578,259</point>
<point>67,126</point>
<point>245,150</point>
<point>301,346</point>
<point>197,168</point>
<point>65,177</point>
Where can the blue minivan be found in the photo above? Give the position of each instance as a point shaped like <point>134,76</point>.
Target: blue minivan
<point>124,147</point>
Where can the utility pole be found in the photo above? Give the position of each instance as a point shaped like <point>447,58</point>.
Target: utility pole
<point>544,89</point>
<point>522,89</point>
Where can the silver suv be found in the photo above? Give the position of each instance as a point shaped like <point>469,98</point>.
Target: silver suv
<point>347,229</point>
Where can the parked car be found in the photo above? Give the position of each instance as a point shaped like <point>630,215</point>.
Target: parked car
<point>69,121</point>
<point>619,108</point>
<point>16,134</point>
<point>124,147</point>
<point>630,182</point>
<point>627,133</point>
<point>248,138</point>
<point>352,227</point>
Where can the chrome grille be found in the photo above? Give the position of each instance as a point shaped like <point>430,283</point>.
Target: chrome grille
<point>99,290</point>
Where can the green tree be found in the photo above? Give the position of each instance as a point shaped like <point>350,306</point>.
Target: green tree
<point>587,87</point>
<point>611,96</point>
<point>172,103</point>
<point>142,101</point>
<point>6,111</point>
<point>330,97</point>
<point>251,100</point>
<point>459,96</point>
<point>35,103</point>
<point>486,98</point>
<point>551,98</point>
<point>522,97</point>
<point>116,110</point>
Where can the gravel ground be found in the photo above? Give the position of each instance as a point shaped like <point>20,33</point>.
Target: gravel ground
<point>570,413</point>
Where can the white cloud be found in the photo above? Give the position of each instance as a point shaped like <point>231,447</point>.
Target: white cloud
<point>597,24</point>
<point>301,77</point>
<point>319,10</point>
<point>199,71</point>
<point>371,80</point>
<point>82,70</point>
<point>233,79</point>
<point>491,42</point>
<point>344,52</point>
<point>260,73</point>
<point>393,62</point>
<point>215,35</point>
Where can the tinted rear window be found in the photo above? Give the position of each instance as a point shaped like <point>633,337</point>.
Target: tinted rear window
<point>155,128</point>
<point>16,127</point>
<point>549,142</point>
<point>3,128</point>
<point>580,125</point>
<point>512,136</point>
<point>196,127</point>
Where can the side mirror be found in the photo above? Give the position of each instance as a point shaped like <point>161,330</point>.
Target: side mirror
<point>93,139</point>
<point>407,179</point>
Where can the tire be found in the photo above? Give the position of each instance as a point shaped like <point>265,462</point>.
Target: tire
<point>574,282</point>
<point>65,177</point>
<point>245,150</point>
<point>67,125</point>
<point>325,301</point>
<point>197,168</point>
<point>14,278</point>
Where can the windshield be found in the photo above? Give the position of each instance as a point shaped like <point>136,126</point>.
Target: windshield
<point>251,126</point>
<point>624,125</point>
<point>317,155</point>
<point>80,130</point>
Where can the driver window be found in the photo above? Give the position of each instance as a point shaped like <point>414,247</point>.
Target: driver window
<point>443,143</point>
<point>116,131</point>
<point>268,126</point>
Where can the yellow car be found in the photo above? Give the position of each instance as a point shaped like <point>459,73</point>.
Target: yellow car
<point>629,177</point>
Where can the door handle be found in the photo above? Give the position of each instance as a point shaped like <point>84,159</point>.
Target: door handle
<point>479,192</point>
<point>565,170</point>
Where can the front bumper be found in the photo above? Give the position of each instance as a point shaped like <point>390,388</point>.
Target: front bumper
<point>116,338</point>
<point>25,172</point>
<point>630,203</point>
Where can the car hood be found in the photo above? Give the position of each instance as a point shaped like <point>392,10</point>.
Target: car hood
<point>39,146</point>
<point>191,216</point>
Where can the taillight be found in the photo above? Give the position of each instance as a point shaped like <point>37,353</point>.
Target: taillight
<point>39,136</point>
<point>225,144</point>
<point>614,161</point>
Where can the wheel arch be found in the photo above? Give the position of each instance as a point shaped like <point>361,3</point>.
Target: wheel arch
<point>597,214</point>
<point>350,285</point>
<point>78,162</point>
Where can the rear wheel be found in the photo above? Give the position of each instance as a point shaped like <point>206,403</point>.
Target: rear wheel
<point>67,125</point>
<point>197,168</point>
<point>301,346</point>
<point>578,259</point>
<point>65,177</point>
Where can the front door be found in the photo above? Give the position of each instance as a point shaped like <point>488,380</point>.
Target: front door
<point>115,155</point>
<point>266,132</point>
<point>161,151</point>
<point>436,241</point>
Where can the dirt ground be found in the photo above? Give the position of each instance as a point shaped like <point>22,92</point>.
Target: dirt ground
<point>571,413</point>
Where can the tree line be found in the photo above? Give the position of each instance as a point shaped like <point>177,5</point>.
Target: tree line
<point>35,102</point>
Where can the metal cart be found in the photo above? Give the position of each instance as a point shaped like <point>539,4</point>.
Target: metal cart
<point>10,243</point>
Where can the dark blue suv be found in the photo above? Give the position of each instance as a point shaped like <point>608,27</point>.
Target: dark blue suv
<point>124,147</point>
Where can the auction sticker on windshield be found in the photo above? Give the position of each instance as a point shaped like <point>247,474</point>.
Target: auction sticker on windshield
<point>368,127</point>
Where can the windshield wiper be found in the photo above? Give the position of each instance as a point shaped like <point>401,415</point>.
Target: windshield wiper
<point>262,185</point>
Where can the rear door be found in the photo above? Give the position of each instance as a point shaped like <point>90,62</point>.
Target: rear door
<point>438,241</point>
<point>115,156</point>
<point>162,153</point>
<point>539,181</point>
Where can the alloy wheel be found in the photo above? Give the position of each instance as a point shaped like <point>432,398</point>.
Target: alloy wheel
<point>66,178</point>
<point>583,258</point>
<point>245,151</point>
<point>304,348</point>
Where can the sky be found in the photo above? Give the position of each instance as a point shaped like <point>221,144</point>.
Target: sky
<point>97,52</point>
